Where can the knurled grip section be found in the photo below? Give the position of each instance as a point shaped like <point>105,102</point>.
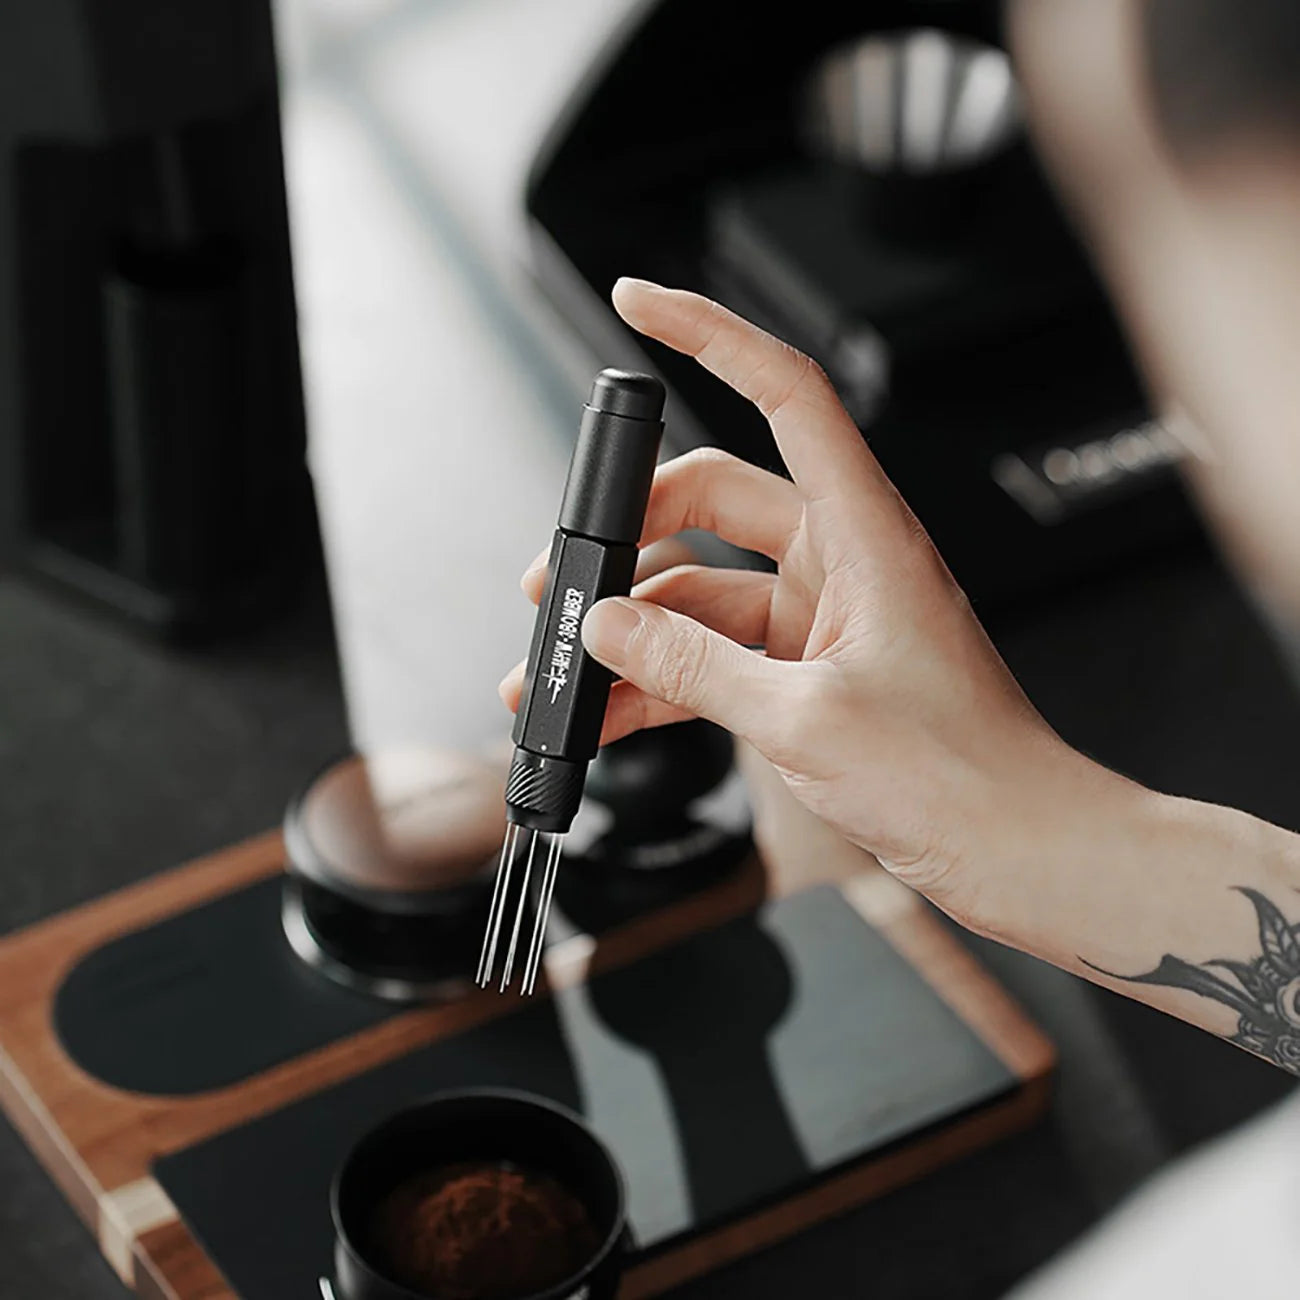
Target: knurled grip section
<point>543,794</point>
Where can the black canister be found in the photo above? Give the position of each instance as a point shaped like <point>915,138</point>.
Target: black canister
<point>665,815</point>
<point>512,1129</point>
<point>389,859</point>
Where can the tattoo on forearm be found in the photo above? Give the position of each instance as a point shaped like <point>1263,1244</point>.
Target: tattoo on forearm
<point>1264,992</point>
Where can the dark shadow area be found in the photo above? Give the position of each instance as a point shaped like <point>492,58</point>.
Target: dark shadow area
<point>704,1012</point>
<point>946,1236</point>
<point>871,1058</point>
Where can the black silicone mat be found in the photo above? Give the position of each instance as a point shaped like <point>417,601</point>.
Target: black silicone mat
<point>215,994</point>
<point>725,1072</point>
<point>202,1000</point>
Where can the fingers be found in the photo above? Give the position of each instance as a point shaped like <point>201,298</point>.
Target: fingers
<point>658,556</point>
<point>736,603</point>
<point>721,494</point>
<point>512,687</point>
<point>533,582</point>
<point>710,490</point>
<point>631,709</point>
<point>687,665</point>
<point>820,444</point>
<point>654,558</point>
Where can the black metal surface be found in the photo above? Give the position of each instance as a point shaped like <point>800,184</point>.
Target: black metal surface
<point>614,458</point>
<point>562,707</point>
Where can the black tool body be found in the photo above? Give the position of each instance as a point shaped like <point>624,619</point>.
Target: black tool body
<point>593,555</point>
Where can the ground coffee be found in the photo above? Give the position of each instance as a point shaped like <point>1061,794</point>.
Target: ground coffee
<point>482,1232</point>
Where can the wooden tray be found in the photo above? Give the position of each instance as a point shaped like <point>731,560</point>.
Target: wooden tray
<point>98,1143</point>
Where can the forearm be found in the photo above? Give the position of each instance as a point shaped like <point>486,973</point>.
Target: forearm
<point>886,710</point>
<point>1190,907</point>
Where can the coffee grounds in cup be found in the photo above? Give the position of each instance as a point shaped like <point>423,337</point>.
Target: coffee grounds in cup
<point>482,1232</point>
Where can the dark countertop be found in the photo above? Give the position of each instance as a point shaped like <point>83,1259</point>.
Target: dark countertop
<point>118,759</point>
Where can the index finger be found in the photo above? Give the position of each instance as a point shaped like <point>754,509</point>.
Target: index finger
<point>819,442</point>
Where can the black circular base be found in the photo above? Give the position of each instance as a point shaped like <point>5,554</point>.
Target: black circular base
<point>399,958</point>
<point>612,880</point>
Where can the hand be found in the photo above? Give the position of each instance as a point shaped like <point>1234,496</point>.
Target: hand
<point>876,694</point>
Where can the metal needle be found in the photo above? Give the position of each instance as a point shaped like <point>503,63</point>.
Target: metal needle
<point>593,555</point>
<point>497,906</point>
<point>538,942</point>
<point>519,913</point>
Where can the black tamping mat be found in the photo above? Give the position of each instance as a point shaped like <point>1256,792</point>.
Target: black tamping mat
<point>202,1000</point>
<point>214,994</point>
<point>727,1073</point>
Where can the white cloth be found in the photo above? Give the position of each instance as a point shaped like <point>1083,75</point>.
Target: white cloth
<point>1223,1223</point>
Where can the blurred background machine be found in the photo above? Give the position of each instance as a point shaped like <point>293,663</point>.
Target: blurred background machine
<point>860,183</point>
<point>151,430</point>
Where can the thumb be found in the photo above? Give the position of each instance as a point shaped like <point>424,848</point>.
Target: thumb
<point>682,662</point>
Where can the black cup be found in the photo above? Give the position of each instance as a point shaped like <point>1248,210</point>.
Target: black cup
<point>477,1125</point>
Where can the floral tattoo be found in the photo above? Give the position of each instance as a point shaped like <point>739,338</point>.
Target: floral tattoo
<point>1264,992</point>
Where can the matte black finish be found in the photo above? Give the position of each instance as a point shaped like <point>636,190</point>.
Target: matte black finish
<point>487,1125</point>
<point>399,956</point>
<point>655,775</point>
<point>557,727</point>
<point>613,463</point>
<point>565,689</point>
<point>626,392</point>
<point>670,815</point>
<point>544,794</point>
<point>212,996</point>
<point>173,347</point>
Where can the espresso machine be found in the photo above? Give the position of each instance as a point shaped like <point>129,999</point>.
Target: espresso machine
<point>151,426</point>
<point>860,182</point>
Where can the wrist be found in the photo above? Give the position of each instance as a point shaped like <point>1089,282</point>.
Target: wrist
<point>1064,840</point>
<point>1121,874</point>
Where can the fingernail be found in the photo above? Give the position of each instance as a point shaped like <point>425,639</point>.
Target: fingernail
<point>626,284</point>
<point>531,572</point>
<point>631,282</point>
<point>608,628</point>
